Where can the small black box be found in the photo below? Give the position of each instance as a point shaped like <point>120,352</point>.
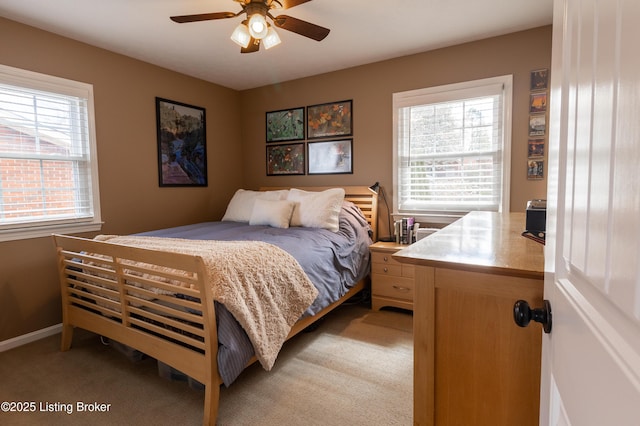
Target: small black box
<point>536,216</point>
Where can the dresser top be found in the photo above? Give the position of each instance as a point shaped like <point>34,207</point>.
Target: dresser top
<point>482,242</point>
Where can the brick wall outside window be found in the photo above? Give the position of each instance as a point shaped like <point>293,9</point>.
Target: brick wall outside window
<point>23,180</point>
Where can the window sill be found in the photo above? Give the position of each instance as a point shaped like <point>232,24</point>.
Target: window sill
<point>431,218</point>
<point>47,230</point>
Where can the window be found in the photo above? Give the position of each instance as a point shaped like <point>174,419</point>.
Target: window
<point>48,165</point>
<point>452,148</point>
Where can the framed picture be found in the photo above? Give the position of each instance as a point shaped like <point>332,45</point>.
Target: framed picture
<point>537,125</point>
<point>330,157</point>
<point>540,79</point>
<point>535,169</point>
<point>285,159</point>
<point>330,120</point>
<point>285,125</point>
<point>538,102</point>
<point>535,148</point>
<point>182,144</point>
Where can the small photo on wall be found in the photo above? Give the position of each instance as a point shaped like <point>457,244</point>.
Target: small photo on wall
<point>535,169</point>
<point>540,79</point>
<point>537,125</point>
<point>538,102</point>
<point>535,148</point>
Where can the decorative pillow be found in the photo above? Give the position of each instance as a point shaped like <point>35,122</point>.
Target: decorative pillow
<point>241,205</point>
<point>276,213</point>
<point>317,209</point>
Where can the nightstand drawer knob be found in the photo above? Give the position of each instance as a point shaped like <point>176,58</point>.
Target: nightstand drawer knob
<point>403,289</point>
<point>386,259</point>
<point>385,269</point>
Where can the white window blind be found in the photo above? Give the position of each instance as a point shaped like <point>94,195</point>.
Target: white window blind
<point>48,175</point>
<point>452,148</point>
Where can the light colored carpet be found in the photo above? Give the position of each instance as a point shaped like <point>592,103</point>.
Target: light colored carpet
<point>356,368</point>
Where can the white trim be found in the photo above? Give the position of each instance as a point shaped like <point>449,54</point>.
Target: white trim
<point>47,83</point>
<point>14,342</point>
<point>507,109</point>
<point>47,230</point>
<point>445,93</point>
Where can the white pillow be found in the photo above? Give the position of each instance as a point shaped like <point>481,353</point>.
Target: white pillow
<point>240,207</point>
<point>317,209</point>
<point>276,213</point>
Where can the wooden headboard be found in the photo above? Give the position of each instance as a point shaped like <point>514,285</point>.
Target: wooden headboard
<point>361,196</point>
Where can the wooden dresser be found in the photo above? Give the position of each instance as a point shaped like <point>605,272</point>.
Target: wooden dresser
<point>472,364</point>
<point>391,281</point>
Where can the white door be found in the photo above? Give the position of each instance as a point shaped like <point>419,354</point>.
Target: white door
<point>591,358</point>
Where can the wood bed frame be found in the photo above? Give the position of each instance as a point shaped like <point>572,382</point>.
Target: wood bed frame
<point>101,293</point>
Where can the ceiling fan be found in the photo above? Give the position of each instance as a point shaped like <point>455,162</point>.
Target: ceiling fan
<point>255,29</point>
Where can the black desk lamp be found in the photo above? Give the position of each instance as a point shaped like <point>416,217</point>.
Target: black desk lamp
<point>377,189</point>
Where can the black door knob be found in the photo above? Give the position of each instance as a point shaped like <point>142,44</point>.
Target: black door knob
<point>523,314</point>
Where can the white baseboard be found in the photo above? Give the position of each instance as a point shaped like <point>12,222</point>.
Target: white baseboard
<point>14,342</point>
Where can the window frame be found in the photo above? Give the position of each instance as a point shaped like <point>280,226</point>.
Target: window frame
<point>452,92</point>
<point>43,82</point>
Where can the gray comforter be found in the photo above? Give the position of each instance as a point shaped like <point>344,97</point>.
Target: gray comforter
<point>334,262</point>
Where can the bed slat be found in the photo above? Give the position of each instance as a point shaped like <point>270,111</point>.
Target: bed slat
<point>138,304</point>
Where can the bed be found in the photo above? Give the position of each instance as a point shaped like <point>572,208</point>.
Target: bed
<point>154,292</point>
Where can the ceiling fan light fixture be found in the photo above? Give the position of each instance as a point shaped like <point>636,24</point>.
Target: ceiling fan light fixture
<point>255,28</point>
<point>272,38</point>
<point>241,35</point>
<point>258,27</point>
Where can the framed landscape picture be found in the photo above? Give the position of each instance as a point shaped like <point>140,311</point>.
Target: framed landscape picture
<point>330,120</point>
<point>285,125</point>
<point>182,144</point>
<point>330,157</point>
<point>285,159</point>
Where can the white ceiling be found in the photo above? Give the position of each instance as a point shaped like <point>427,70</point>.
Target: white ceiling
<point>362,31</point>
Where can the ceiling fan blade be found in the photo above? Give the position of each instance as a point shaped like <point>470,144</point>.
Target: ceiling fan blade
<point>202,17</point>
<point>301,27</point>
<point>288,4</point>
<point>253,46</point>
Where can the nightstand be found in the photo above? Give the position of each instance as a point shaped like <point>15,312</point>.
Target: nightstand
<point>391,281</point>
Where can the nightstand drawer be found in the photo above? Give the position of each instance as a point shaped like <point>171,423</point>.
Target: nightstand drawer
<point>396,287</point>
<point>383,263</point>
<point>384,257</point>
<point>386,269</point>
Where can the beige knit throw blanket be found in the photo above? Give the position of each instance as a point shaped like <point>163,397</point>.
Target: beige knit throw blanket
<point>262,285</point>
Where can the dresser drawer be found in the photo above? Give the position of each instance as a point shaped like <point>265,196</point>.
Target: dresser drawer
<point>389,286</point>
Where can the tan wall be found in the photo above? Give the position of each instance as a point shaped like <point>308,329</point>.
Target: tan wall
<point>132,201</point>
<point>371,88</point>
<point>125,91</point>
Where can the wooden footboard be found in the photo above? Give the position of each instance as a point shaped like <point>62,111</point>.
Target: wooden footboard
<point>117,291</point>
<point>103,292</point>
